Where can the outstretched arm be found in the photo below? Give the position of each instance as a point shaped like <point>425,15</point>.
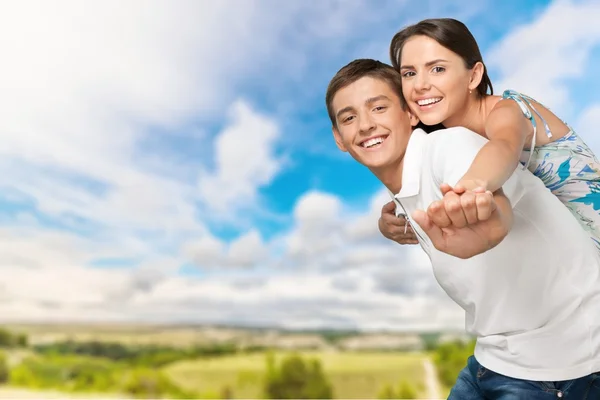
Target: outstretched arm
<point>507,130</point>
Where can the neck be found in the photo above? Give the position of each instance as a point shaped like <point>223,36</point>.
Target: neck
<point>473,115</point>
<point>390,176</point>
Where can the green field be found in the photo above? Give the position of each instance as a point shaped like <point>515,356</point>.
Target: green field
<point>354,375</point>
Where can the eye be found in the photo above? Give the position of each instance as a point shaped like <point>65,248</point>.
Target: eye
<point>438,69</point>
<point>408,74</point>
<point>380,108</point>
<point>348,119</point>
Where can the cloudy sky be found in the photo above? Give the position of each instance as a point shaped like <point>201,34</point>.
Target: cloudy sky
<point>173,160</point>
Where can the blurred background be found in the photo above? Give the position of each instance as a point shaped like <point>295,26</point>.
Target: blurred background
<point>177,222</point>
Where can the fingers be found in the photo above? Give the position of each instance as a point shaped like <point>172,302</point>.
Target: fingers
<point>453,202</point>
<point>468,203</point>
<point>485,205</point>
<point>454,209</point>
<point>462,207</point>
<point>389,208</point>
<point>432,230</point>
<point>397,229</point>
<point>458,189</point>
<point>438,215</point>
<point>393,221</point>
<point>477,206</point>
<point>445,188</point>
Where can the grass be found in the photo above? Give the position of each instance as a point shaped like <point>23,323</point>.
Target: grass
<point>354,375</point>
<point>9,392</point>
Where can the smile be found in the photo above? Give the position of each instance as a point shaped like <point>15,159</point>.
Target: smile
<point>430,101</point>
<point>372,142</point>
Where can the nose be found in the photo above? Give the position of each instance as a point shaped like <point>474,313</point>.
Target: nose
<point>422,82</point>
<point>367,124</point>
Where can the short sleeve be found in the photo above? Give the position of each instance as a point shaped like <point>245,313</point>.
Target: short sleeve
<point>453,152</point>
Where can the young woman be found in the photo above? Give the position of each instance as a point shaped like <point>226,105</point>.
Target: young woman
<point>444,81</point>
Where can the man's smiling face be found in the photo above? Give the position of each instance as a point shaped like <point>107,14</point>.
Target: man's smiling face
<point>371,123</point>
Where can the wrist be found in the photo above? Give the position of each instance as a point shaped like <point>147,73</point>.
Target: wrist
<point>472,184</point>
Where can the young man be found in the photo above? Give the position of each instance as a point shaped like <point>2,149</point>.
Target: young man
<point>533,305</point>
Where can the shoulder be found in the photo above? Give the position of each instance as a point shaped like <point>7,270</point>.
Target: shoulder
<point>508,106</point>
<point>455,138</point>
<point>451,152</point>
<point>508,112</point>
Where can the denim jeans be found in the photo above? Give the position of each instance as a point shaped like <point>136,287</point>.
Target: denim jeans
<point>475,382</point>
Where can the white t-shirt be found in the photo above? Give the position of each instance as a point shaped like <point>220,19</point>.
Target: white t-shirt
<point>533,301</point>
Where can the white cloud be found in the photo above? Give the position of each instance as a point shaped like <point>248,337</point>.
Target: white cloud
<point>588,122</point>
<point>206,251</point>
<point>247,250</point>
<point>90,91</point>
<point>245,161</point>
<point>353,282</point>
<point>366,227</point>
<point>86,87</point>
<point>314,211</point>
<point>82,85</point>
<point>537,57</point>
<point>317,231</point>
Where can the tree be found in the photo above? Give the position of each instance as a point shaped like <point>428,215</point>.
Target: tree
<point>450,358</point>
<point>405,391</point>
<point>22,340</point>
<point>6,338</point>
<point>296,379</point>
<point>151,383</point>
<point>4,371</point>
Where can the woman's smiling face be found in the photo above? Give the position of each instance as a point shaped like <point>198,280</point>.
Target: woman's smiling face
<point>435,81</point>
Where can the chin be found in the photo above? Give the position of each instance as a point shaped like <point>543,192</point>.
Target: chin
<point>379,164</point>
<point>431,120</point>
<point>431,117</point>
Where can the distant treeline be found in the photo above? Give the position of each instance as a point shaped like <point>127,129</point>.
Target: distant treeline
<point>88,374</point>
<point>139,355</point>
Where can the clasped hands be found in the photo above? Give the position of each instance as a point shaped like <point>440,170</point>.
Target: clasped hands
<point>463,223</point>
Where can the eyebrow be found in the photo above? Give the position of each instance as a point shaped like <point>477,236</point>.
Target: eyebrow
<point>370,100</point>
<point>427,64</point>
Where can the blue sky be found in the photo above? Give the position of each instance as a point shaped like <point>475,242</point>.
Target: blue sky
<point>173,161</point>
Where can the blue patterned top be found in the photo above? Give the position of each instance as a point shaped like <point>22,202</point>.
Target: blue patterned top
<point>567,166</point>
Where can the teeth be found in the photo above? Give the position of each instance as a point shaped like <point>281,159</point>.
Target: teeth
<point>372,142</point>
<point>426,102</point>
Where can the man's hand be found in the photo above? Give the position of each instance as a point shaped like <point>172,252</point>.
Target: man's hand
<point>466,207</point>
<point>395,228</point>
<point>466,240</point>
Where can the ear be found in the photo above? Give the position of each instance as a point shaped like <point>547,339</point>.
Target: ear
<point>476,75</point>
<point>338,139</point>
<point>413,119</point>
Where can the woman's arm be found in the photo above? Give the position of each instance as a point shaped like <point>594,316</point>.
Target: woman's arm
<point>507,130</point>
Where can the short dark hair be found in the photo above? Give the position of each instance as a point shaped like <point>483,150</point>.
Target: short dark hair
<point>357,69</point>
<point>450,33</point>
